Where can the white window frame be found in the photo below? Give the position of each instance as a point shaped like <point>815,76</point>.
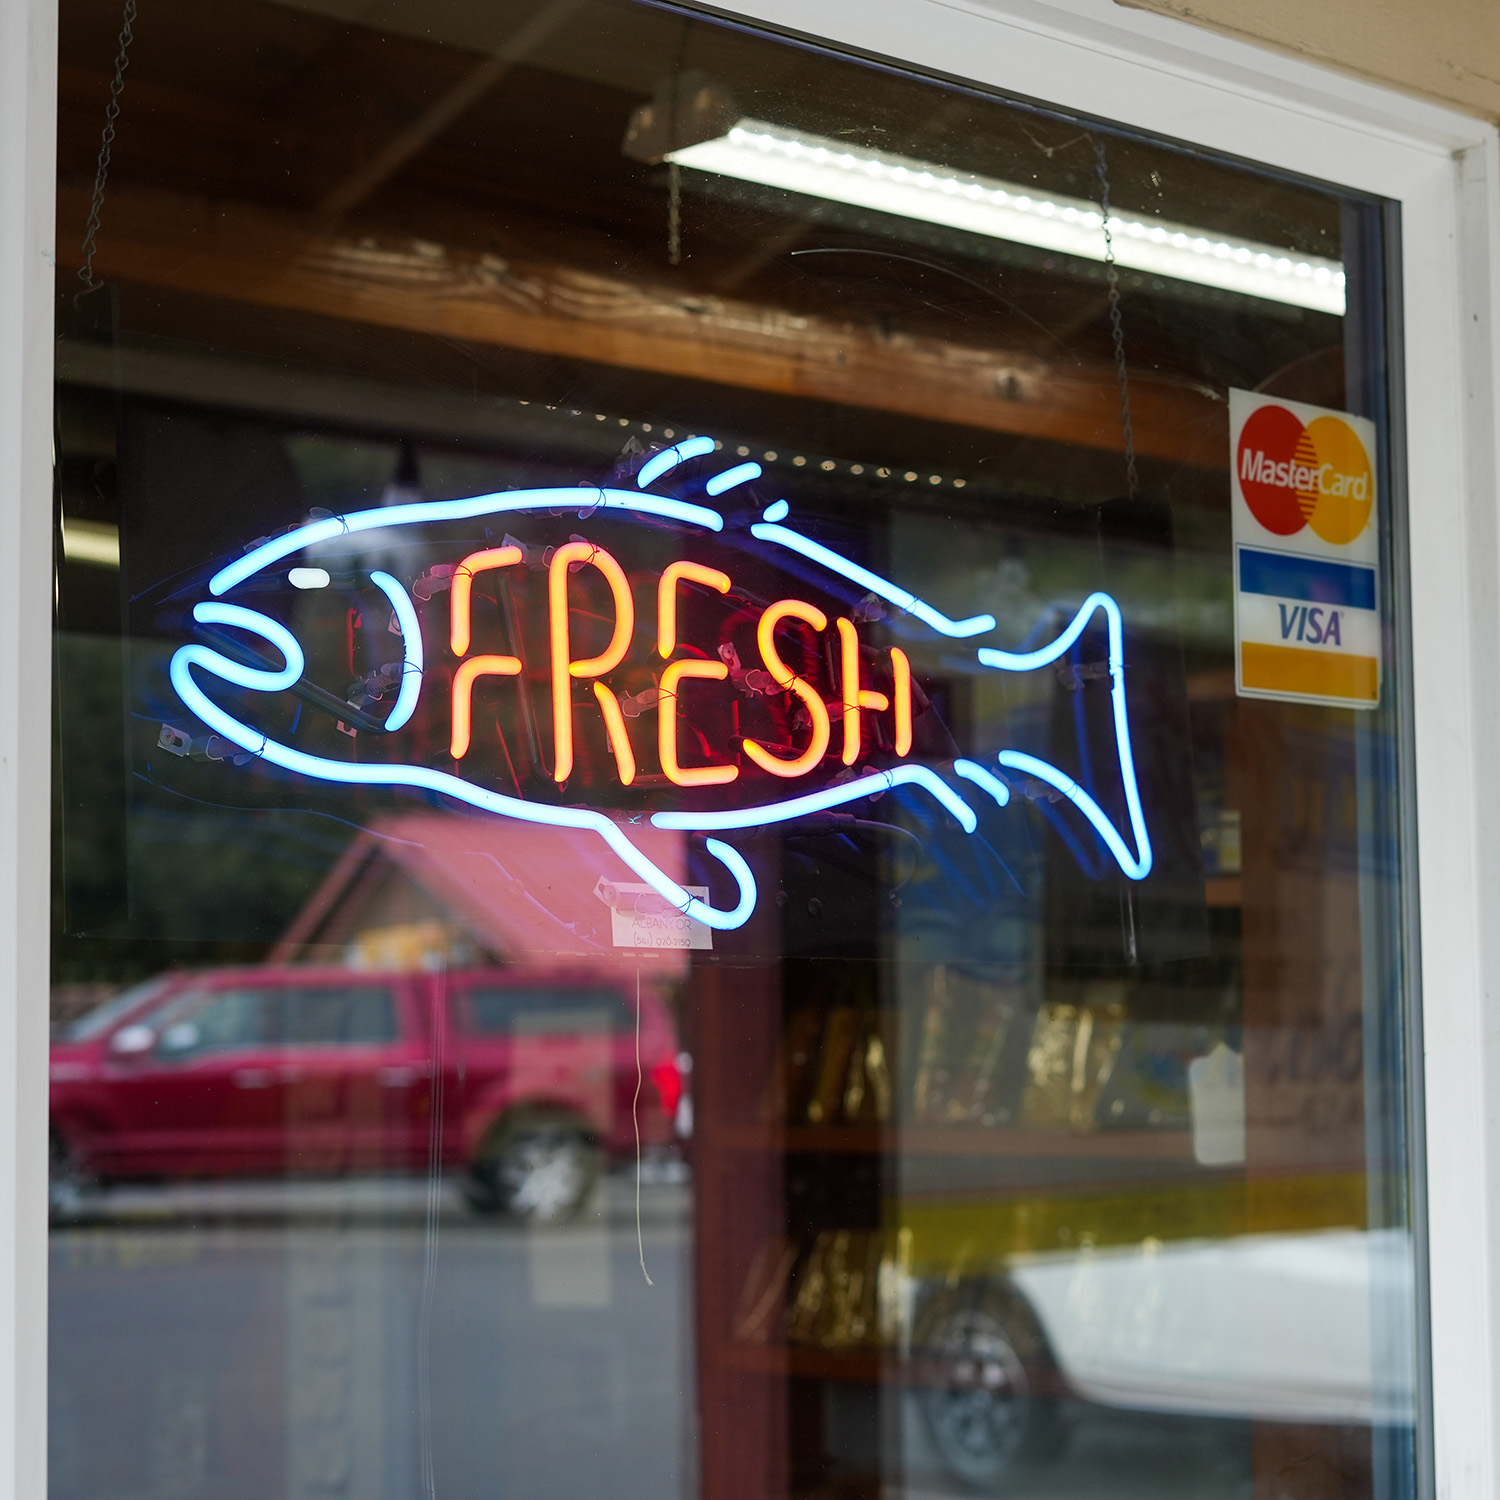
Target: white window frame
<point>1140,70</point>
<point>28,131</point>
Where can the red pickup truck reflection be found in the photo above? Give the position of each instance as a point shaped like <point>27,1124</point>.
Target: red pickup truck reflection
<point>526,1081</point>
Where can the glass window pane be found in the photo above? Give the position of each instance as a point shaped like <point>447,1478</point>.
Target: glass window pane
<point>101,1017</point>
<point>334,1017</point>
<point>214,1023</point>
<point>492,1012</point>
<point>730,785</point>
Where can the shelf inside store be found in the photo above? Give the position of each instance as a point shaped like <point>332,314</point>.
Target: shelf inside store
<point>807,1362</point>
<point>804,1361</point>
<point>956,1140</point>
<point>1223,890</point>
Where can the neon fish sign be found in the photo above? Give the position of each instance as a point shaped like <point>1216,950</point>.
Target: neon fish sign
<point>826,729</point>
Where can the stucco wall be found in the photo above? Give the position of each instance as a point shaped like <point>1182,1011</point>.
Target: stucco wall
<point>1448,50</point>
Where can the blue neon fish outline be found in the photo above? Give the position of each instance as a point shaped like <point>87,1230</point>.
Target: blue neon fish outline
<point>1135,865</point>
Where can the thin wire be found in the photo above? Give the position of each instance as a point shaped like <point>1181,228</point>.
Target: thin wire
<point>635,1115</point>
<point>432,1221</point>
<point>674,214</point>
<point>1116,323</point>
<point>938,266</point>
<point>674,172</point>
<point>1132,478</point>
<point>106,145</point>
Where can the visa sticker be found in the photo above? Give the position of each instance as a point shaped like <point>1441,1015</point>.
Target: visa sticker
<point>1306,522</point>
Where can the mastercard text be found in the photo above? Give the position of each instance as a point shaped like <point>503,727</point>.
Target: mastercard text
<point>1289,474</point>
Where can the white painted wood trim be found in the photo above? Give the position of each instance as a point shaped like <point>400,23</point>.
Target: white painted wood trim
<point>1141,70</point>
<point>28,129</point>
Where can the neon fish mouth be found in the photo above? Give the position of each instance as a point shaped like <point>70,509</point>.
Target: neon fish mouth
<point>1135,863</point>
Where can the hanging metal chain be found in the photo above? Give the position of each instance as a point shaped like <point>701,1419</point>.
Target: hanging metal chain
<point>674,214</point>
<point>1116,323</point>
<point>1130,938</point>
<point>674,172</point>
<point>106,145</point>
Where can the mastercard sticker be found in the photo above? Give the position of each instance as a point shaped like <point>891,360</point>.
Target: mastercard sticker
<point>1306,553</point>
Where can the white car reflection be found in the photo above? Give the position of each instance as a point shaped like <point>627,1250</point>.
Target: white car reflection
<point>1279,1327</point>
<point>1308,1328</point>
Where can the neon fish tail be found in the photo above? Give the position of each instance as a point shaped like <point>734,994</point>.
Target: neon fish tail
<point>1137,864</point>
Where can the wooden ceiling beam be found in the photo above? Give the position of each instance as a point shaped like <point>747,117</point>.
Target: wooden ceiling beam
<point>288,262</point>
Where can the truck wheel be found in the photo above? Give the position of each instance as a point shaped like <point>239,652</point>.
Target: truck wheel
<point>71,1192</point>
<point>986,1385</point>
<point>535,1172</point>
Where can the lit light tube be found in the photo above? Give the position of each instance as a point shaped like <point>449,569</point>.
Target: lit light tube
<point>669,458</point>
<point>740,474</point>
<point>1136,866</point>
<point>894,593</point>
<point>91,542</point>
<point>983,780</point>
<point>411,649</point>
<point>815,802</point>
<point>332,528</point>
<point>777,157</point>
<point>375,774</point>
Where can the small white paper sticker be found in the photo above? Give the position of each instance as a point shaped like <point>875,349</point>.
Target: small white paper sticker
<point>1216,1098</point>
<point>640,918</point>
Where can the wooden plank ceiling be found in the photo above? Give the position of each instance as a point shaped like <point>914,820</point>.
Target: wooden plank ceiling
<point>290,160</point>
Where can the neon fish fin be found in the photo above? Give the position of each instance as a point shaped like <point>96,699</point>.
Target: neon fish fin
<point>671,892</point>
<point>1136,865</point>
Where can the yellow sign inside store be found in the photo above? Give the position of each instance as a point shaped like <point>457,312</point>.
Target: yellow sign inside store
<point>966,1237</point>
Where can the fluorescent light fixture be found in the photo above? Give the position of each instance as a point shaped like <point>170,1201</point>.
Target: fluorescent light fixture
<point>95,542</point>
<point>777,157</point>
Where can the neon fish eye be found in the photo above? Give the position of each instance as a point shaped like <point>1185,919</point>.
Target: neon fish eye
<point>308,578</point>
